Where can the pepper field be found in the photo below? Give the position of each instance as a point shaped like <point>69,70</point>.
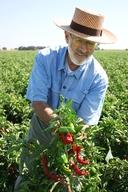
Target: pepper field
<point>109,172</point>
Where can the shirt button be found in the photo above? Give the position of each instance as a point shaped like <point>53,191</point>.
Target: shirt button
<point>64,87</point>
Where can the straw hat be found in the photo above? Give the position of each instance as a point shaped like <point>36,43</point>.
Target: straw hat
<point>88,25</point>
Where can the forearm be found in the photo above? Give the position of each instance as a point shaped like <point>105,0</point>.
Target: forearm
<point>42,110</point>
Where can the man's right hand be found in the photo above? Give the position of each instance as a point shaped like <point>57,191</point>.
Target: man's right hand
<point>43,111</point>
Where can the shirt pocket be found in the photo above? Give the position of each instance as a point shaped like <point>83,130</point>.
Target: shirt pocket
<point>77,97</point>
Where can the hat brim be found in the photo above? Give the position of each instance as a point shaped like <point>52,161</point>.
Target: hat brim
<point>107,36</point>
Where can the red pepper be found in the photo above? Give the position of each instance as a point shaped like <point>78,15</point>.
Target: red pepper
<point>66,138</point>
<point>78,171</point>
<point>44,165</point>
<point>77,149</point>
<point>81,160</point>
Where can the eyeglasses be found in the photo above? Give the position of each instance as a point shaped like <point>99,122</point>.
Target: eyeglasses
<point>80,41</point>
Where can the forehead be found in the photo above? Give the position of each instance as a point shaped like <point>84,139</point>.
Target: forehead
<point>81,39</point>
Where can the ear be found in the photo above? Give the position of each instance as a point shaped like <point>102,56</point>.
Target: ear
<point>67,36</point>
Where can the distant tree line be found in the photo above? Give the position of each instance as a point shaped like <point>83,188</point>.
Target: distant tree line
<point>4,48</point>
<point>42,47</point>
<point>31,47</point>
<point>24,48</point>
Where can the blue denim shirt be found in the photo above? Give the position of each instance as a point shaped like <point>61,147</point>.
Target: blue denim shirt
<point>86,86</point>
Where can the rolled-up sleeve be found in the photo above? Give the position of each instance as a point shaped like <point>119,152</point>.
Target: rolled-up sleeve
<point>91,107</point>
<point>39,82</point>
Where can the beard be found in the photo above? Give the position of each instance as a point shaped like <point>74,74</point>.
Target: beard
<point>74,58</point>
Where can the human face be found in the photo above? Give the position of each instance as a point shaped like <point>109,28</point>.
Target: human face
<point>79,49</point>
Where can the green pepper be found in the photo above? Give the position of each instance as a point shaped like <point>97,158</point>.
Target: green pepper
<point>65,129</point>
<point>71,125</point>
<point>66,170</point>
<point>63,158</point>
<point>93,169</point>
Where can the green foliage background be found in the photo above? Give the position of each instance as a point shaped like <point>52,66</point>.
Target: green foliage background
<point>111,132</point>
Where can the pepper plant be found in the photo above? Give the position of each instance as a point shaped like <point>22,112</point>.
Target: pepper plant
<point>68,161</point>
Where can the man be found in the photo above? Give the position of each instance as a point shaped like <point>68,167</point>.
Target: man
<point>69,71</point>
<point>72,71</point>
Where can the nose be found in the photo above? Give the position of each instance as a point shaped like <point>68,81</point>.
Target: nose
<point>86,45</point>
<point>83,47</point>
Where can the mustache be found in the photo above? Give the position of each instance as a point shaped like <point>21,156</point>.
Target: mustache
<point>82,53</point>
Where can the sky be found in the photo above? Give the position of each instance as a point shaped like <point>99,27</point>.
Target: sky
<point>31,22</point>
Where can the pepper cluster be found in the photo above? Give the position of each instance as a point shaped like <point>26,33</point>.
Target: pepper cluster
<point>68,139</point>
<point>69,157</point>
<point>64,158</point>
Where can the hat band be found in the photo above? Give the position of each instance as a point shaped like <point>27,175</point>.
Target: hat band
<point>86,30</point>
